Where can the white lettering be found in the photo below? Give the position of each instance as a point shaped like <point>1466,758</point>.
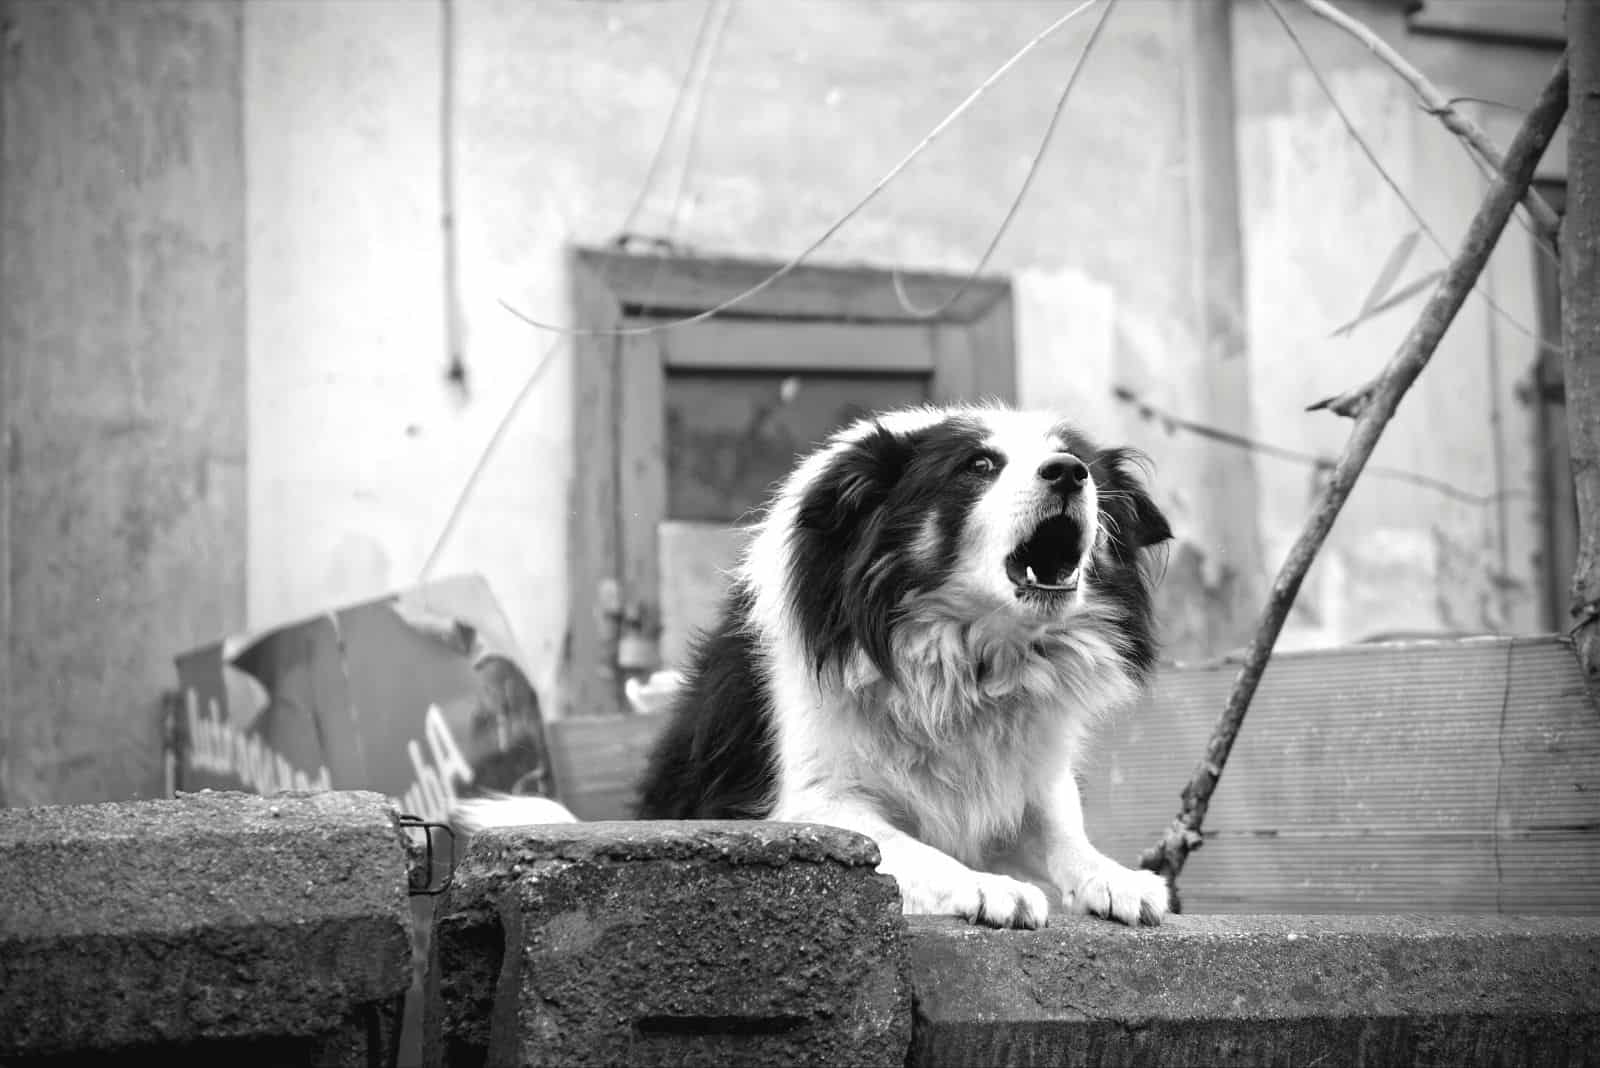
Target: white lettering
<point>435,803</point>
<point>433,793</point>
<point>447,756</point>
<point>220,748</point>
<point>217,747</point>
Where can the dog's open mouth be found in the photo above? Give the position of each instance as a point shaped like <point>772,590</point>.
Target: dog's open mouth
<point>1047,562</point>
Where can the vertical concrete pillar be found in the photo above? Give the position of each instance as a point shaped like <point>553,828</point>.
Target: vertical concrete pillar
<point>122,413</point>
<point>1231,571</point>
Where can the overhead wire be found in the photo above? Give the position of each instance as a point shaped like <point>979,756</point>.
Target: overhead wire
<point>1172,421</point>
<point>700,71</point>
<point>910,306</point>
<point>692,142</point>
<point>711,22</point>
<point>800,258</point>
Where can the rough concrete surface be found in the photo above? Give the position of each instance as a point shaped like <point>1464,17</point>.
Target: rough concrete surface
<point>213,918</point>
<point>1325,990</point>
<point>658,943</point>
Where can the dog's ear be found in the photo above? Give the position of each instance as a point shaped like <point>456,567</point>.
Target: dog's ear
<point>846,598</point>
<point>854,484</point>
<point>1150,525</point>
<point>1136,522</point>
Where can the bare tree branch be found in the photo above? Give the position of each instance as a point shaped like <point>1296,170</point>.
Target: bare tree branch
<point>1580,314</point>
<point>1373,406</point>
<point>1546,223</point>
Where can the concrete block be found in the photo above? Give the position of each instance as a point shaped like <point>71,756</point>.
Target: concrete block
<point>217,921</point>
<point>670,943</point>
<point>1246,990</point>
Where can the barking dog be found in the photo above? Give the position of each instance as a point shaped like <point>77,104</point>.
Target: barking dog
<point>935,609</point>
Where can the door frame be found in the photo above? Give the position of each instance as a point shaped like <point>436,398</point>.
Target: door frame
<point>618,489</point>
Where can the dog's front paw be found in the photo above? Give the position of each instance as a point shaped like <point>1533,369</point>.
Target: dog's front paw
<point>979,897</point>
<point>1006,902</point>
<point>1119,893</point>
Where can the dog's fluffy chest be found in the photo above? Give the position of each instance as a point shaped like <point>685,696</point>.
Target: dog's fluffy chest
<point>965,793</point>
<point>984,717</point>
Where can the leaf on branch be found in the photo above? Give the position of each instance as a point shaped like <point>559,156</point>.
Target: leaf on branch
<point>1398,257</point>
<point>1399,296</point>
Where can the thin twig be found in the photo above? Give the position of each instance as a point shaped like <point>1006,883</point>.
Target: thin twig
<point>1486,102</point>
<point>1380,400</point>
<point>1546,223</point>
<point>1171,422</point>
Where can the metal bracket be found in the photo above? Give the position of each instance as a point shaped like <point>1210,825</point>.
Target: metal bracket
<point>424,878</point>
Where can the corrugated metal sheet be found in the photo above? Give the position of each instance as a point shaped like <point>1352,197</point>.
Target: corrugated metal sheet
<point>1426,776</point>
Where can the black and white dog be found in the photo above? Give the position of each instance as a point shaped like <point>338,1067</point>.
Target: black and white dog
<point>936,608</point>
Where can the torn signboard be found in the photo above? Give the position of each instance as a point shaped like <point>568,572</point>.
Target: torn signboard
<point>419,695</point>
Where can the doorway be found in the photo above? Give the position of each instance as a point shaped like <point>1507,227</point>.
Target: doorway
<point>680,433</point>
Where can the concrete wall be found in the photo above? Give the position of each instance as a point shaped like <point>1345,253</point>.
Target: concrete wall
<point>121,357</point>
<point>596,935</point>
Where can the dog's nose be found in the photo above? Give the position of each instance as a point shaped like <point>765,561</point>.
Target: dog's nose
<point>1064,472</point>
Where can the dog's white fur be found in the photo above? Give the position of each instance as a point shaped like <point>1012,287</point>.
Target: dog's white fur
<point>508,810</point>
<point>980,762</point>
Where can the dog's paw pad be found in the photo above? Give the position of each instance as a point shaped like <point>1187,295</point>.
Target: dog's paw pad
<point>1118,893</point>
<point>1005,902</point>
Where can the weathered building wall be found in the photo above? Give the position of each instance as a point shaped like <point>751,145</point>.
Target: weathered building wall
<point>121,362</point>
<point>557,110</point>
<point>794,128</point>
<point>171,164</point>
<point>1321,223</point>
<point>351,416</point>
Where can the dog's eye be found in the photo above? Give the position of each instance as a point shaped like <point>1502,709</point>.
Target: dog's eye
<point>981,465</point>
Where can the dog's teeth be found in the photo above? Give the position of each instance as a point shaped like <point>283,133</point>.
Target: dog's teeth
<point>1032,579</point>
